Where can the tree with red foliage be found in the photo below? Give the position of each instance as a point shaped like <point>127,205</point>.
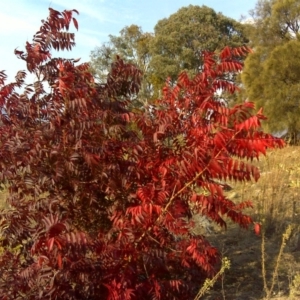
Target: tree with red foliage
<point>100,196</point>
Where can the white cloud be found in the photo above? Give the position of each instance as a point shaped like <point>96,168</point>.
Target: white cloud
<point>14,24</point>
<point>92,9</point>
<point>88,41</point>
<point>248,21</point>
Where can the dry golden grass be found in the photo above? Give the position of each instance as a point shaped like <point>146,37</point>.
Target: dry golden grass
<point>276,194</point>
<point>276,206</point>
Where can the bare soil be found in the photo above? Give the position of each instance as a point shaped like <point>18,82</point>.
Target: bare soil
<point>244,281</point>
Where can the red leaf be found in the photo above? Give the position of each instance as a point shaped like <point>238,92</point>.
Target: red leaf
<point>50,244</point>
<point>257,228</point>
<point>59,261</point>
<point>75,23</point>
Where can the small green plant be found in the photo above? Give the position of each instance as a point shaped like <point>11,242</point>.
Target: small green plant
<point>209,283</point>
<point>295,288</point>
<point>14,250</point>
<point>286,235</point>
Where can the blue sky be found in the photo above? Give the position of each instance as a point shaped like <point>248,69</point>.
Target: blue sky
<point>20,19</point>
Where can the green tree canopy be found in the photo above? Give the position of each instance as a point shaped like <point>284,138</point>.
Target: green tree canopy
<point>180,39</point>
<point>176,45</point>
<point>271,76</point>
<point>132,45</point>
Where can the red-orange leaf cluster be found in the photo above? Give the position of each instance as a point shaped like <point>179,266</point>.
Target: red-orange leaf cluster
<point>101,197</point>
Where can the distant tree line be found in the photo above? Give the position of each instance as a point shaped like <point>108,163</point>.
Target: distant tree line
<point>271,76</point>
<point>175,45</point>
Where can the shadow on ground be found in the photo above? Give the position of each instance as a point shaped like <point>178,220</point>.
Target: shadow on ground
<point>244,280</point>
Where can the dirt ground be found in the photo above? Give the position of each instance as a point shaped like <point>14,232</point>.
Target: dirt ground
<point>244,281</point>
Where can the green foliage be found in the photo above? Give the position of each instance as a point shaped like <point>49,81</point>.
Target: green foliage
<point>272,73</point>
<point>132,45</point>
<point>180,39</point>
<point>177,44</point>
